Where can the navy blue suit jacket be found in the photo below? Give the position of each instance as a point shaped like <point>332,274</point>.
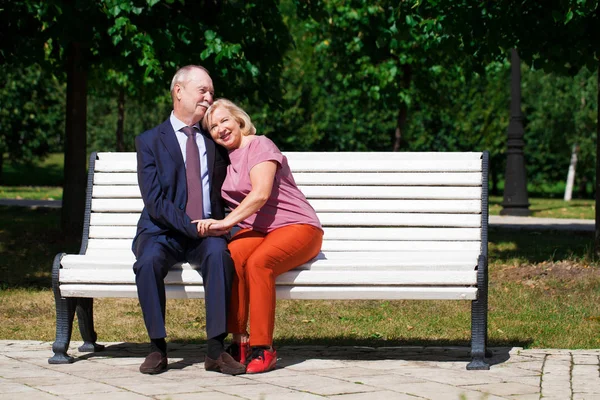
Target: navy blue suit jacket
<point>162,182</point>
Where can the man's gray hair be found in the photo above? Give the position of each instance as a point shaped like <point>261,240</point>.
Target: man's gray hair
<point>182,75</point>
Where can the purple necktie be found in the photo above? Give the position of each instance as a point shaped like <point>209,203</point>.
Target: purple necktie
<point>193,177</point>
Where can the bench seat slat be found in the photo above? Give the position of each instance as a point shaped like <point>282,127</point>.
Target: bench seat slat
<point>330,245</point>
<point>440,235</point>
<point>340,260</point>
<point>303,278</point>
<point>290,292</point>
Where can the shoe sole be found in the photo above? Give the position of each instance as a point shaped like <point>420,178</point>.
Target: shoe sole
<point>153,371</point>
<point>270,368</point>
<point>227,371</point>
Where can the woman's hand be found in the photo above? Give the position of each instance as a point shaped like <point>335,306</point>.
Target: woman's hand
<point>210,227</point>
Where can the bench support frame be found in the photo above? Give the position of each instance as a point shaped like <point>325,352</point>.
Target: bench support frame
<point>67,306</point>
<point>479,307</point>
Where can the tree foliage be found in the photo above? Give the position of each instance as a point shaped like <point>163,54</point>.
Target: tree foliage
<point>31,115</point>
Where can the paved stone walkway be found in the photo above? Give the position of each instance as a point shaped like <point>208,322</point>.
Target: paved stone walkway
<point>304,372</point>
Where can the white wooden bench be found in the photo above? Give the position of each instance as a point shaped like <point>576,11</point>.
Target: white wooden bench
<point>397,226</point>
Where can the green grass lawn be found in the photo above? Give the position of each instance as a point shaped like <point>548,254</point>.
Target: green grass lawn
<point>544,292</point>
<point>552,208</point>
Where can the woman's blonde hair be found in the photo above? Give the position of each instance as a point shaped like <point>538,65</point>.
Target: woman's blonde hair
<point>241,117</point>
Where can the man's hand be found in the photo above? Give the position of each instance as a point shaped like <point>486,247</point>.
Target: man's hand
<point>210,227</point>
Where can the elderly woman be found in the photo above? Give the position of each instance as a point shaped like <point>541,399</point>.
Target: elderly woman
<point>279,229</point>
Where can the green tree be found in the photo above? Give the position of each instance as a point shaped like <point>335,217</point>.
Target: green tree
<point>31,114</point>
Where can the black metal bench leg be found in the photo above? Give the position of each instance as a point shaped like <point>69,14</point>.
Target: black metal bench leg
<point>65,312</point>
<point>85,317</point>
<point>479,310</point>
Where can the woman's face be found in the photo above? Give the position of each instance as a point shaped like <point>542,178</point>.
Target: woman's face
<point>225,130</point>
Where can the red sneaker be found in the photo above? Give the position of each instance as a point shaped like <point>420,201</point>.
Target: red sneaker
<point>239,351</point>
<point>261,360</point>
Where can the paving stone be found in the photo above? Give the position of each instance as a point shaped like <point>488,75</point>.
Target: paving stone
<point>37,395</point>
<point>49,380</point>
<point>585,359</point>
<point>124,395</point>
<point>158,387</point>
<point>464,378</point>
<point>380,395</point>
<point>384,381</point>
<point>585,371</point>
<point>585,396</point>
<point>322,385</point>
<point>529,365</point>
<point>310,365</point>
<point>264,391</point>
<point>347,372</point>
<point>533,396</point>
<point>198,396</point>
<point>14,387</point>
<point>78,388</point>
<point>506,388</point>
<point>23,370</point>
<point>525,380</point>
<point>434,390</point>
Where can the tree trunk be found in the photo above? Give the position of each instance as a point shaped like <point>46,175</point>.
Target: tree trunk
<point>1,166</point>
<point>597,235</point>
<point>121,120</point>
<point>73,204</point>
<point>403,111</point>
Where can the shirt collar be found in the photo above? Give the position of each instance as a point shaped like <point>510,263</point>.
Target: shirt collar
<point>177,124</point>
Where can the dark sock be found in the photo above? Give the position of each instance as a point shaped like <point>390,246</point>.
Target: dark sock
<point>214,346</point>
<point>158,345</point>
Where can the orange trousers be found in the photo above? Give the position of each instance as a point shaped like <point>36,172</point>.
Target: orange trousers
<point>259,258</point>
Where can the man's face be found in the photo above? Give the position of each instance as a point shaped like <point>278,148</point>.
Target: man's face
<point>194,96</point>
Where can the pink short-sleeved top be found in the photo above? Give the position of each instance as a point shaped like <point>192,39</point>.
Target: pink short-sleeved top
<point>287,205</point>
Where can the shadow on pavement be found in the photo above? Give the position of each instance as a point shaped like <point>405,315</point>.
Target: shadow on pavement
<point>292,354</point>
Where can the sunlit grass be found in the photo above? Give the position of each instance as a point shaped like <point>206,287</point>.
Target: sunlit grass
<point>31,192</point>
<point>552,208</point>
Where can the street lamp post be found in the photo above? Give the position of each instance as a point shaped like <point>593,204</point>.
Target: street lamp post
<point>515,201</point>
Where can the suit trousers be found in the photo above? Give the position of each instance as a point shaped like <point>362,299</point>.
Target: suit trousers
<point>259,258</point>
<point>156,254</point>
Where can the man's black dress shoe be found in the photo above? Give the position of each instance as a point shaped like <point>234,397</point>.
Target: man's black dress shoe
<point>224,364</point>
<point>155,363</point>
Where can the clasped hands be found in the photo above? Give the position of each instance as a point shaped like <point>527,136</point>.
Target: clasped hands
<point>211,227</point>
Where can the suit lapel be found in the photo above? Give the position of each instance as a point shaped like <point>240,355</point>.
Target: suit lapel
<point>171,144</point>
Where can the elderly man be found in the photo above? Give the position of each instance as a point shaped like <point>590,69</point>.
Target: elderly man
<point>180,173</point>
